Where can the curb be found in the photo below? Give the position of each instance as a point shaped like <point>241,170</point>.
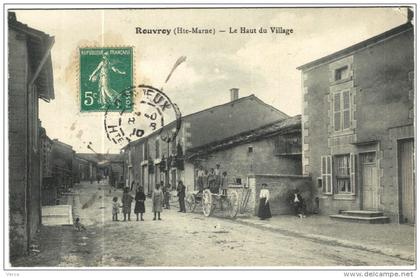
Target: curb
<point>332,241</point>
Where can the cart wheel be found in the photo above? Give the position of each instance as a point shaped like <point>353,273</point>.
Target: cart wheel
<point>207,202</point>
<point>233,204</point>
<point>190,202</point>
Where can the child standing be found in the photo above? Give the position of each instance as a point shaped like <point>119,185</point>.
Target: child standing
<point>115,208</point>
<point>126,202</point>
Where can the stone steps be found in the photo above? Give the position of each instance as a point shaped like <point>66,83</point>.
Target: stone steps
<point>362,216</point>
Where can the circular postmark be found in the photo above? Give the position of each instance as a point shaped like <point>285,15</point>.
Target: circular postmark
<point>146,110</point>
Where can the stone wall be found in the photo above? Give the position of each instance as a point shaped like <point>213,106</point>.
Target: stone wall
<point>281,187</point>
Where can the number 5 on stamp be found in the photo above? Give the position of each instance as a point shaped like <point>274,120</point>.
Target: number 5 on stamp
<point>104,73</point>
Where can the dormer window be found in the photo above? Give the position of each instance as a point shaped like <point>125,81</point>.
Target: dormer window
<point>341,73</point>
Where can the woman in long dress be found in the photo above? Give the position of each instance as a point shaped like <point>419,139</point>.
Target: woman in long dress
<point>264,211</point>
<point>157,199</point>
<point>139,207</point>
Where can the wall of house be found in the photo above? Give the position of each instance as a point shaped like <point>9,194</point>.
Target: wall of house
<point>382,98</point>
<point>238,162</point>
<point>281,188</point>
<point>17,96</point>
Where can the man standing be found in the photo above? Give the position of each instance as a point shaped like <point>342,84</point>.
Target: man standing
<point>218,176</point>
<point>181,196</point>
<point>166,194</point>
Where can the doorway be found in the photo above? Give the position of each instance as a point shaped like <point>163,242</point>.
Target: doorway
<point>407,192</point>
<point>370,185</point>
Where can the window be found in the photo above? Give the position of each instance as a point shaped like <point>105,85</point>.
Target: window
<point>326,174</point>
<point>344,174</point>
<point>341,110</point>
<point>341,73</point>
<point>157,154</point>
<point>145,151</point>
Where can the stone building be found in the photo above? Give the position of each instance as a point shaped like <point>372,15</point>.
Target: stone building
<point>358,133</point>
<point>62,157</point>
<point>48,188</point>
<point>270,154</point>
<point>150,160</point>
<point>30,79</point>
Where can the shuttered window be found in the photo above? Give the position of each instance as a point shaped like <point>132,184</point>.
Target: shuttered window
<point>326,172</point>
<point>342,110</point>
<point>345,174</point>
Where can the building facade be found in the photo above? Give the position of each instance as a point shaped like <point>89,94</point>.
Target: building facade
<point>358,132</point>
<point>271,149</point>
<point>30,79</point>
<point>151,160</point>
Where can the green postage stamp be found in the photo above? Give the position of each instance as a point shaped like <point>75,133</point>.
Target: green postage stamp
<point>104,73</point>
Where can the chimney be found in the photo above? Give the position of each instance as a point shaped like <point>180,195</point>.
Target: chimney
<point>234,94</point>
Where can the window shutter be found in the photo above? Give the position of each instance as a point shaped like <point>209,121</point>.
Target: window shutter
<point>326,172</point>
<point>329,175</point>
<point>323,171</point>
<point>353,173</point>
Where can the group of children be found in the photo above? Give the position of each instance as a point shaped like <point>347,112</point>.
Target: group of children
<point>160,198</point>
<point>215,180</point>
<point>127,199</point>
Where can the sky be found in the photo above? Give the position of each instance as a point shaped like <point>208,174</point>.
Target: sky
<point>260,64</point>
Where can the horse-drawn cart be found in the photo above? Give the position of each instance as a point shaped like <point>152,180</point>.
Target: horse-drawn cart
<point>228,203</point>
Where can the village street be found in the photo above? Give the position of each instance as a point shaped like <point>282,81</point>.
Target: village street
<point>180,239</point>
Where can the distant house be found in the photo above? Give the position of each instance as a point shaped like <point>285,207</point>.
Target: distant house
<point>358,132</point>
<point>62,157</point>
<point>109,166</point>
<point>30,79</point>
<point>150,160</point>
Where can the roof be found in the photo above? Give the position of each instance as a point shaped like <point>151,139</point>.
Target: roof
<point>40,44</point>
<point>284,126</point>
<point>199,113</point>
<point>346,51</point>
<point>101,158</point>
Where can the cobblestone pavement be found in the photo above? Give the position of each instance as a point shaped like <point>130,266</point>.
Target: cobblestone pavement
<point>180,239</point>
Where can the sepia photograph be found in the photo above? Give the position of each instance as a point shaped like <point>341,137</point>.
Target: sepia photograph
<point>210,137</point>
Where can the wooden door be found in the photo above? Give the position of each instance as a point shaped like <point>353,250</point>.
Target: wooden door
<point>370,186</point>
<point>406,181</point>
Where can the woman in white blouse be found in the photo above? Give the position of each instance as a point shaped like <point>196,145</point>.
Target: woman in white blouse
<point>264,207</point>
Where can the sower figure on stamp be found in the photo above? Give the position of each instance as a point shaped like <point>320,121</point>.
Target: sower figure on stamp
<point>181,196</point>
<point>126,202</point>
<point>157,200</point>
<point>140,199</point>
<point>103,71</point>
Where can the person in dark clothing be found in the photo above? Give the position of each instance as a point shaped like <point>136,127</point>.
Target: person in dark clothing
<point>166,195</point>
<point>264,211</point>
<point>298,204</point>
<point>181,196</point>
<point>126,202</point>
<point>139,207</point>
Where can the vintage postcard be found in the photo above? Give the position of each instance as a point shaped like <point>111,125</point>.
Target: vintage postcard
<point>217,137</point>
